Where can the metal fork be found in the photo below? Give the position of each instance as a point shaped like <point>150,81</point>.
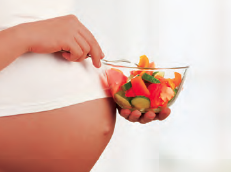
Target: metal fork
<point>113,61</point>
<point>118,61</point>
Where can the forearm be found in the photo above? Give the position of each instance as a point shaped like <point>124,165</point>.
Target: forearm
<point>13,43</point>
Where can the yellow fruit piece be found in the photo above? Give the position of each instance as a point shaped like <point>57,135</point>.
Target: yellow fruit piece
<point>144,61</point>
<point>142,73</point>
<point>171,83</point>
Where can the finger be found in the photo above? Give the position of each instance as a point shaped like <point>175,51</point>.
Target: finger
<point>85,47</point>
<point>102,55</point>
<point>134,116</point>
<point>125,113</point>
<point>164,113</point>
<point>75,52</point>
<point>147,117</point>
<point>96,52</point>
<point>66,55</point>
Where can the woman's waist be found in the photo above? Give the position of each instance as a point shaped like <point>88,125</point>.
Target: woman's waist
<point>35,75</point>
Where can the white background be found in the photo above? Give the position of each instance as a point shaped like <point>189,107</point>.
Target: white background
<point>197,135</point>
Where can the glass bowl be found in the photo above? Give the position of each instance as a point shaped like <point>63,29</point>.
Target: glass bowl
<point>144,89</point>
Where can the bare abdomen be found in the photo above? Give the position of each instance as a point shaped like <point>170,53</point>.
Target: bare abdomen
<point>66,139</point>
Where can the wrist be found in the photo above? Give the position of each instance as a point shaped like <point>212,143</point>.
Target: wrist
<point>22,36</point>
<point>13,43</point>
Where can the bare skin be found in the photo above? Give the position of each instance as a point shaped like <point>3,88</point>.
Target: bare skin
<point>143,118</point>
<point>65,139</point>
<point>52,35</point>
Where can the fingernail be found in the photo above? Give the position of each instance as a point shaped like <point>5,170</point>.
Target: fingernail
<point>102,55</point>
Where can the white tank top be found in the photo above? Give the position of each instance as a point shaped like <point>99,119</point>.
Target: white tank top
<point>41,82</point>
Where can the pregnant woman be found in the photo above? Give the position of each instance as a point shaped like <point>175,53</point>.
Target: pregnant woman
<point>55,111</point>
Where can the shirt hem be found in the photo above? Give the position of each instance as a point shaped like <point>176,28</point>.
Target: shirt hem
<point>49,105</point>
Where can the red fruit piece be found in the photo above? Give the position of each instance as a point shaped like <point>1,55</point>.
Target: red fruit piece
<point>155,90</point>
<point>116,78</point>
<point>130,93</point>
<point>151,65</point>
<point>139,87</point>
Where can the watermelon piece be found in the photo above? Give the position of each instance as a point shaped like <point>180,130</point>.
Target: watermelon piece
<point>116,79</point>
<point>151,65</point>
<point>139,87</point>
<point>155,90</point>
<point>160,94</point>
<point>130,93</point>
<point>147,83</point>
<point>135,72</point>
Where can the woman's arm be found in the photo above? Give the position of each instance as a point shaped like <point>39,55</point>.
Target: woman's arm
<point>49,36</point>
<point>61,33</point>
<point>12,44</point>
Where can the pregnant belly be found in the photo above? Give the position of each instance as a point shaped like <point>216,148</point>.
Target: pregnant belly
<point>80,131</point>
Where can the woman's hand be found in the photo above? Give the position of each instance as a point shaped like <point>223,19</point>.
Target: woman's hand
<point>137,116</point>
<point>63,33</point>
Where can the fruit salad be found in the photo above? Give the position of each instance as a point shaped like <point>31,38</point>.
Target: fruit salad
<point>143,89</point>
